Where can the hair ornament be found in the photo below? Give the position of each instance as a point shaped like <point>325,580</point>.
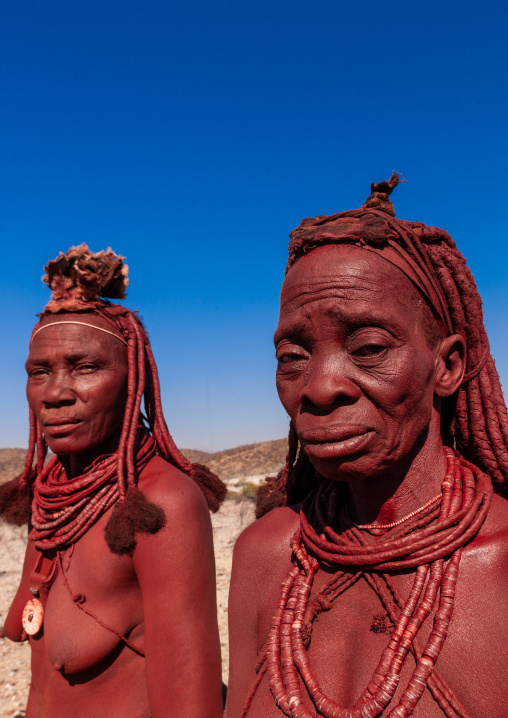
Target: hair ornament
<point>80,278</point>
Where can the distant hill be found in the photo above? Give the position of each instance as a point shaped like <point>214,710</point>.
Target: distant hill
<point>265,457</point>
<point>12,462</point>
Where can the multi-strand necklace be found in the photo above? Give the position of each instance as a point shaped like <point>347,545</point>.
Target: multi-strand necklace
<point>63,509</point>
<point>430,541</point>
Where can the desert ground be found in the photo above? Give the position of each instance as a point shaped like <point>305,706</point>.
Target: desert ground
<point>242,468</point>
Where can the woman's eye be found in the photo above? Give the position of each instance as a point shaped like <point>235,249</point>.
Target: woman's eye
<point>35,373</point>
<point>287,358</point>
<point>368,350</point>
<point>86,368</point>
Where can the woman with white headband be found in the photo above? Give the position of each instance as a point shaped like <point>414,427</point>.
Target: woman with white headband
<point>117,595</point>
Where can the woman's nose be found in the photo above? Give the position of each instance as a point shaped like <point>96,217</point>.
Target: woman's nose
<point>328,385</point>
<point>58,391</point>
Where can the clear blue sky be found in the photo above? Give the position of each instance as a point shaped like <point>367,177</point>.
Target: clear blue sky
<point>192,137</point>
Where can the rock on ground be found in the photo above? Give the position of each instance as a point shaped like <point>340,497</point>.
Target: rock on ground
<point>233,517</point>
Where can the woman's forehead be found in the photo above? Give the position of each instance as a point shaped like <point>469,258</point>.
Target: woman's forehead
<point>345,271</point>
<point>72,339</point>
<point>78,319</point>
<point>72,326</point>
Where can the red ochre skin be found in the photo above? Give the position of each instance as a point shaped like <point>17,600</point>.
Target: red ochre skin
<point>162,599</point>
<point>361,383</point>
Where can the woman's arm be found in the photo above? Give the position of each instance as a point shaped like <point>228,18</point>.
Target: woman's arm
<point>261,560</point>
<point>176,573</point>
<point>242,621</point>
<point>13,628</point>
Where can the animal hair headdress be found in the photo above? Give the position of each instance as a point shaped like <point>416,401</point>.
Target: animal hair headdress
<point>476,416</point>
<point>83,283</point>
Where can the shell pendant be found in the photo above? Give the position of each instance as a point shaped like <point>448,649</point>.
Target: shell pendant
<point>33,616</point>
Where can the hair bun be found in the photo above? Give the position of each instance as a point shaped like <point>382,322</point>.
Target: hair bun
<point>380,193</point>
<point>80,277</point>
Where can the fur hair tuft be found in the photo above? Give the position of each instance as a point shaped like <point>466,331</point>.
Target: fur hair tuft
<point>80,277</point>
<point>16,501</point>
<point>212,487</point>
<point>146,517</point>
<point>134,514</point>
<point>268,498</point>
<point>119,533</point>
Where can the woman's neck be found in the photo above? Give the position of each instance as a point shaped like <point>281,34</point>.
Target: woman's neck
<point>79,463</point>
<point>390,498</point>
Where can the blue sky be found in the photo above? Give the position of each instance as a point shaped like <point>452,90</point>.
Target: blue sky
<point>192,137</point>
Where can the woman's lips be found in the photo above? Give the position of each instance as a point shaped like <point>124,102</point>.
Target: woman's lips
<point>60,428</point>
<point>336,442</point>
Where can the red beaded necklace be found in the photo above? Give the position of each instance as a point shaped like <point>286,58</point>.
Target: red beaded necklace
<point>64,509</point>
<point>383,527</point>
<point>423,542</point>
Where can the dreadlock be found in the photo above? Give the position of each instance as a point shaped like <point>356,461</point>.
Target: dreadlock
<point>77,280</point>
<point>476,417</point>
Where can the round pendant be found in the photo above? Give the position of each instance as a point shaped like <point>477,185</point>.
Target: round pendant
<point>32,617</point>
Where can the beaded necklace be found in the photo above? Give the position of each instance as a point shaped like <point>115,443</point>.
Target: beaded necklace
<point>423,542</point>
<point>383,527</point>
<point>64,509</point>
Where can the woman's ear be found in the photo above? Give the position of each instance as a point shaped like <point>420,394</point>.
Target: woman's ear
<point>450,365</point>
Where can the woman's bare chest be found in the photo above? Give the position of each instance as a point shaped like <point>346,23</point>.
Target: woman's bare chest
<point>93,601</point>
<point>349,634</point>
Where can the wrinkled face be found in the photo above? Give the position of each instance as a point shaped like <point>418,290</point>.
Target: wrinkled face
<point>355,369</point>
<point>77,387</point>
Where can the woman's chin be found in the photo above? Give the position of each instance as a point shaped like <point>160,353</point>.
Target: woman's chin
<point>351,468</point>
<point>85,445</point>
<point>61,447</point>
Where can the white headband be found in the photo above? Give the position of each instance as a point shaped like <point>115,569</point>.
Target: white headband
<point>70,321</point>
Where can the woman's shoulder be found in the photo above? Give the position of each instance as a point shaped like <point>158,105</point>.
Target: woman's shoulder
<point>266,543</point>
<point>187,525</point>
<point>491,544</point>
<point>172,489</point>
<point>484,565</point>
<point>261,560</point>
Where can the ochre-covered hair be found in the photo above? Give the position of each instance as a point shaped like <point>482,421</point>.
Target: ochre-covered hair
<point>476,417</point>
<point>83,282</point>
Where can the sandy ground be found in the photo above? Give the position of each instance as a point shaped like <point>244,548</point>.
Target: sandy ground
<point>14,657</point>
<point>233,517</point>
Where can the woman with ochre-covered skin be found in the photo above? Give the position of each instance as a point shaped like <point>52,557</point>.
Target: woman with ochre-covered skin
<point>117,595</point>
<point>375,581</point>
